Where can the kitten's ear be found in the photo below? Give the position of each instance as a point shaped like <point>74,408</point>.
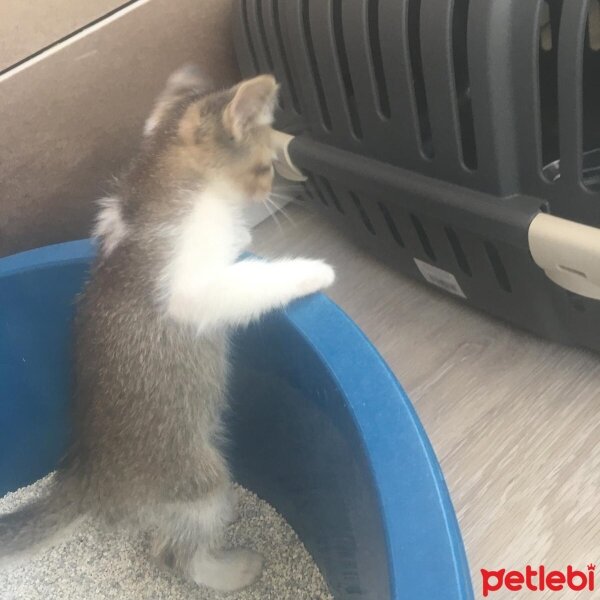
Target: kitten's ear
<point>188,79</point>
<point>252,106</point>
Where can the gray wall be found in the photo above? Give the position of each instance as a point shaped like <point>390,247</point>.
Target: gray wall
<point>71,116</point>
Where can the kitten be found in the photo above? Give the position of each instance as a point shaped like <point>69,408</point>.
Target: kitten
<point>151,341</point>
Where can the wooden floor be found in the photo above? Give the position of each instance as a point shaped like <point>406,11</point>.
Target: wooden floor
<point>514,419</point>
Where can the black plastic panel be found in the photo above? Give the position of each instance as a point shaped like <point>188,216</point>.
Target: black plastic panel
<point>438,129</point>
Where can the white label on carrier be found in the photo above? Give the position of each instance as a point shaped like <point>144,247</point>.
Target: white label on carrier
<point>440,278</point>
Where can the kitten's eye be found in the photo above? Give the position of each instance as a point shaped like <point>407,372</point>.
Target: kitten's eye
<point>261,170</point>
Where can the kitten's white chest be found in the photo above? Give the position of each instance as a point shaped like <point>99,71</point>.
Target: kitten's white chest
<point>211,237</point>
<point>245,239</point>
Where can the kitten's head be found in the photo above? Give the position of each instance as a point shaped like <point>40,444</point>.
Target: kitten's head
<point>219,137</point>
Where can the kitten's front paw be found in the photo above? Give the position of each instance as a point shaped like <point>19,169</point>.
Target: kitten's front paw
<point>312,276</point>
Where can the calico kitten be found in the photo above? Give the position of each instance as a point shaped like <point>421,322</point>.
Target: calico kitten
<point>152,327</point>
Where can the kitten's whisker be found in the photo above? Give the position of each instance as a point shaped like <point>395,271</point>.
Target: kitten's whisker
<point>283,197</point>
<point>281,209</point>
<point>287,216</point>
<point>288,199</point>
<point>272,206</point>
<point>272,214</point>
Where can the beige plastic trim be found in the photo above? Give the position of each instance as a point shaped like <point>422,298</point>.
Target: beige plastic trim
<point>568,252</point>
<point>283,163</point>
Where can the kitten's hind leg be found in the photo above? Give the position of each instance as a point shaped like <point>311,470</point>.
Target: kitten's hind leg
<point>226,570</point>
<point>232,512</point>
<point>190,541</point>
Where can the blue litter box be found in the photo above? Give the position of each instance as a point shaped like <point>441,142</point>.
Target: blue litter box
<point>322,431</point>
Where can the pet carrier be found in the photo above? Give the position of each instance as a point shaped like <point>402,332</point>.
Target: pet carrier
<point>458,140</point>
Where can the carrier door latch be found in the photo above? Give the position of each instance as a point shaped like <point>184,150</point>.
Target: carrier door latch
<point>283,163</point>
<point>568,252</point>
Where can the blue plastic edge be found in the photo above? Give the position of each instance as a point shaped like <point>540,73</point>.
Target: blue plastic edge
<point>335,337</point>
<point>67,252</point>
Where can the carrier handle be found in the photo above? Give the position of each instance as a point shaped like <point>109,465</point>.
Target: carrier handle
<point>568,252</point>
<point>283,163</point>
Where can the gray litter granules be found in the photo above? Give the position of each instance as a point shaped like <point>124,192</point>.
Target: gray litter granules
<point>93,564</point>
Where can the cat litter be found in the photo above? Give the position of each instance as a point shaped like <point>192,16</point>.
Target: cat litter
<point>93,563</point>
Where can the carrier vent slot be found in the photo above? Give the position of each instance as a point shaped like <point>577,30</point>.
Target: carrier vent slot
<point>284,57</point>
<point>423,237</point>
<point>591,100</point>
<point>248,33</point>
<point>462,83</point>
<point>342,56</point>
<point>312,56</point>
<point>363,213</point>
<point>334,197</point>
<point>377,58</point>
<point>416,61</point>
<point>576,302</point>
<point>389,221</point>
<point>459,253</point>
<point>317,190</point>
<point>549,26</point>
<point>497,266</point>
<point>260,19</point>
<point>307,191</point>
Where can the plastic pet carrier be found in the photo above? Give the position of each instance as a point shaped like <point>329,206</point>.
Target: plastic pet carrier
<point>459,140</point>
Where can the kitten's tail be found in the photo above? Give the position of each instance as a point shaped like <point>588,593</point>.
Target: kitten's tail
<point>38,523</point>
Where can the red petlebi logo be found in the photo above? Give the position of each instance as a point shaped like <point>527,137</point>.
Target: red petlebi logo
<point>539,580</point>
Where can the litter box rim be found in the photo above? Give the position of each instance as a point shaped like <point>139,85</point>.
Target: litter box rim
<point>424,544</point>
